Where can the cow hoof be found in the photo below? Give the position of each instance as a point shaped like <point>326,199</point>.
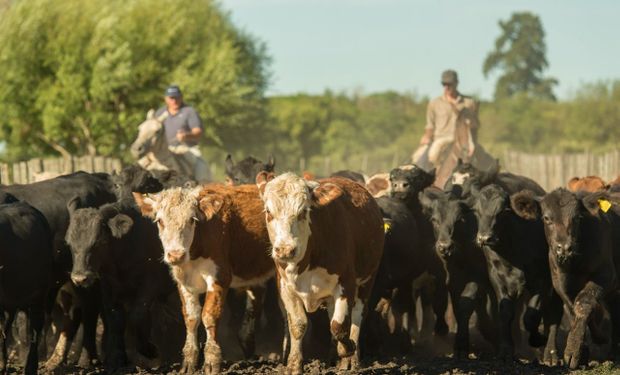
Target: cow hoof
<point>441,328</point>
<point>551,358</point>
<point>461,354</point>
<point>345,348</point>
<point>574,356</point>
<point>188,367</point>
<point>349,363</point>
<point>148,350</point>
<point>213,359</point>
<point>53,363</point>
<point>248,345</point>
<point>294,365</point>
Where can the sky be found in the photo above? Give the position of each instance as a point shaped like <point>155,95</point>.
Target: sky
<point>379,45</point>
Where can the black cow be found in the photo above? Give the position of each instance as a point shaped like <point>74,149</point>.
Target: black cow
<point>50,197</point>
<point>117,245</point>
<point>402,262</point>
<point>25,274</point>
<point>465,177</point>
<point>245,171</point>
<point>583,259</point>
<point>406,183</point>
<point>516,254</point>
<point>455,230</point>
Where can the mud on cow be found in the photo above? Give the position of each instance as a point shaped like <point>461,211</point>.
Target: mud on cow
<point>583,259</point>
<point>25,273</point>
<point>214,238</point>
<point>327,239</point>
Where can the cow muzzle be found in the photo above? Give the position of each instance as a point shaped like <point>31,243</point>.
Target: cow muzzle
<point>175,257</point>
<point>564,253</point>
<point>444,249</point>
<point>485,240</point>
<point>284,252</point>
<point>82,279</point>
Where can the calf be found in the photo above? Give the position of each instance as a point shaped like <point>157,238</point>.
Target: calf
<point>214,238</point>
<point>25,274</point>
<point>115,244</point>
<point>455,230</point>
<point>351,175</point>
<point>245,171</point>
<point>583,260</point>
<point>407,182</point>
<point>588,184</point>
<point>516,255</point>
<point>327,240</point>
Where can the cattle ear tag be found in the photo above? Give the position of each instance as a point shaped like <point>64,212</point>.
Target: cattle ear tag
<point>604,204</point>
<point>386,227</point>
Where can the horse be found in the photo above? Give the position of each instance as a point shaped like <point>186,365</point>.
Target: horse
<point>151,148</point>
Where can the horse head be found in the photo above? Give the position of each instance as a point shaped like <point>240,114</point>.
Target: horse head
<point>150,135</point>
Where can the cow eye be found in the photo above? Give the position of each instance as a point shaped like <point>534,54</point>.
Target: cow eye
<point>268,215</point>
<point>159,222</point>
<point>546,219</point>
<point>195,219</point>
<point>301,216</point>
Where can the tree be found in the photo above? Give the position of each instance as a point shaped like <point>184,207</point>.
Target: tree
<point>520,54</point>
<point>78,76</point>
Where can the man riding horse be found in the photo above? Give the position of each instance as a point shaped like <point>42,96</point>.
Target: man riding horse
<point>169,139</point>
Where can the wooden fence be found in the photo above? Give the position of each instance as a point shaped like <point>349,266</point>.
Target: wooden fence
<point>37,169</point>
<point>552,171</point>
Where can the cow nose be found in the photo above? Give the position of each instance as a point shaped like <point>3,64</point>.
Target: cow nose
<point>562,248</point>
<point>175,256</point>
<point>285,251</point>
<point>482,239</point>
<point>443,247</point>
<point>79,279</point>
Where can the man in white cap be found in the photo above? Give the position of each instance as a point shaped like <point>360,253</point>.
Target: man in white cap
<point>183,129</point>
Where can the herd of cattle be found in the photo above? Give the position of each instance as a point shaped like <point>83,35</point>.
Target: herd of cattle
<point>94,245</point>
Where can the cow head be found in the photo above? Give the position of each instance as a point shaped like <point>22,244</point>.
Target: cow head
<point>451,218</point>
<point>90,235</point>
<point>177,212</point>
<point>466,177</point>
<point>288,200</point>
<point>562,213</point>
<point>491,206</point>
<point>245,171</point>
<point>150,132</point>
<point>134,178</point>
<point>407,182</point>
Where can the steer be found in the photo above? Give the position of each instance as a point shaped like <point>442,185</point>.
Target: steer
<point>455,230</point>
<point>25,274</point>
<point>516,254</point>
<point>214,238</point>
<point>583,259</point>
<point>327,240</point>
<point>245,171</point>
<point>115,244</point>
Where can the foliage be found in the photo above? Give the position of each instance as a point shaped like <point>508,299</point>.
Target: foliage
<point>78,76</point>
<point>520,53</point>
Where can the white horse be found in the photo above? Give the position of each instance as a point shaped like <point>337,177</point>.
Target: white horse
<point>151,148</point>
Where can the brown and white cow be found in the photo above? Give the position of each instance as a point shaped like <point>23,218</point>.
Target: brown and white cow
<point>327,240</point>
<point>214,238</point>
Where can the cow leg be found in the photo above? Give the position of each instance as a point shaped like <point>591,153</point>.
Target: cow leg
<point>71,318</point>
<point>531,321</point>
<point>297,322</point>
<point>140,323</point>
<point>5,326</point>
<point>36,317</point>
<point>506,316</point>
<point>613,302</point>
<point>211,313</point>
<point>116,356</point>
<point>440,305</point>
<point>340,326</point>
<point>253,310</point>
<point>586,301</point>
<point>90,302</point>
<point>552,318</point>
<point>191,314</point>
<point>465,305</point>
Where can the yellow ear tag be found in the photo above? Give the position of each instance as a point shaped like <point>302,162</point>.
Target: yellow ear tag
<point>386,227</point>
<point>604,204</point>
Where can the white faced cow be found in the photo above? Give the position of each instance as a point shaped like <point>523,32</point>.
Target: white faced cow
<point>327,240</point>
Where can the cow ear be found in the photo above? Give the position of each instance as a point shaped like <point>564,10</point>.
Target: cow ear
<point>597,200</point>
<point>427,198</point>
<point>229,164</point>
<point>147,204</point>
<point>262,179</point>
<point>74,204</point>
<point>120,225</point>
<point>325,193</point>
<point>525,205</point>
<point>271,163</point>
<point>150,114</point>
<point>211,204</point>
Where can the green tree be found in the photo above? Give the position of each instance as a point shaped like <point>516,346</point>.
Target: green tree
<point>78,76</point>
<point>520,53</point>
